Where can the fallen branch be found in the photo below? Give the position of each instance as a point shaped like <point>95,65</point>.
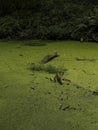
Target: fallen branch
<point>95,93</point>
<point>48,58</point>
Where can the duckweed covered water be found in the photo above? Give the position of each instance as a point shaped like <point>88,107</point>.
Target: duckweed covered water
<point>30,101</point>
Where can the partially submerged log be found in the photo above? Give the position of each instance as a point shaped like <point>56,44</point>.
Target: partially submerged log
<point>84,59</point>
<point>48,58</point>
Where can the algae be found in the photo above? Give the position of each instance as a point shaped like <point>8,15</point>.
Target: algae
<point>28,101</point>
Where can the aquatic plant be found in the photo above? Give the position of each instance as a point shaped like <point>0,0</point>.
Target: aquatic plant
<point>47,68</point>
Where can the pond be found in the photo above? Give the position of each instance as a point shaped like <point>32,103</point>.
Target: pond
<point>29,100</point>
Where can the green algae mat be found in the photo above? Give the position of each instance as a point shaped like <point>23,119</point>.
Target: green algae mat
<point>29,100</point>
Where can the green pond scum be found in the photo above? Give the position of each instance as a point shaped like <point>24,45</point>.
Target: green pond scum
<point>31,100</point>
